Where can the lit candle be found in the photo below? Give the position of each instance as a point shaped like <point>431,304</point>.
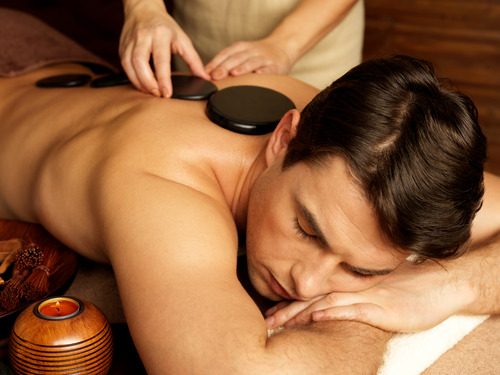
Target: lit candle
<point>59,308</point>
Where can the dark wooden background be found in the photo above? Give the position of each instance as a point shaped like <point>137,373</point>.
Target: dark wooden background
<point>461,38</point>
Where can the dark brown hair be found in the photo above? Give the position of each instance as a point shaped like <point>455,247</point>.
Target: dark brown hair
<point>415,147</point>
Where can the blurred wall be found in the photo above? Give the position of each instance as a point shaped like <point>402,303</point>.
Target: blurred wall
<point>460,37</point>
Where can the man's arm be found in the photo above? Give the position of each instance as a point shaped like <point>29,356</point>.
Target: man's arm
<point>339,347</point>
<point>173,250</point>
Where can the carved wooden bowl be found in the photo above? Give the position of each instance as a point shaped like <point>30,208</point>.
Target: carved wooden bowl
<point>61,335</point>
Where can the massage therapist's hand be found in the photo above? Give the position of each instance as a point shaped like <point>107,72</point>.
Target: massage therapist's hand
<point>412,298</point>
<point>149,31</point>
<point>260,56</point>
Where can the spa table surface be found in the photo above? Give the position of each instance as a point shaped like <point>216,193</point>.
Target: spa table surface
<point>476,354</point>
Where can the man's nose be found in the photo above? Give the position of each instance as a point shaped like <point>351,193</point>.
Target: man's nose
<point>313,279</point>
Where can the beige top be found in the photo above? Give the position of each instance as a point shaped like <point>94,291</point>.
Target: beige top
<point>213,25</point>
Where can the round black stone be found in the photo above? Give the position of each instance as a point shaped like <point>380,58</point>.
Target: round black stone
<point>64,80</point>
<point>191,87</point>
<point>248,109</point>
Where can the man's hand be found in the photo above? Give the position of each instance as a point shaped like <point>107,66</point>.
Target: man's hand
<point>413,298</point>
<point>261,56</point>
<point>149,32</point>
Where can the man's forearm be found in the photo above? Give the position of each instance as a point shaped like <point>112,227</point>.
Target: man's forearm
<point>339,347</point>
<point>482,268</point>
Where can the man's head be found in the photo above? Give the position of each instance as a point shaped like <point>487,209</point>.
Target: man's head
<point>382,164</point>
<point>415,148</point>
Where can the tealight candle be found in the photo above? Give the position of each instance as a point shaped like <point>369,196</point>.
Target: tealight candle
<point>61,336</point>
<point>58,308</point>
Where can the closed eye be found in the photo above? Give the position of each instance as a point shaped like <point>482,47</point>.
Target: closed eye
<point>360,274</point>
<point>301,232</point>
<point>364,273</point>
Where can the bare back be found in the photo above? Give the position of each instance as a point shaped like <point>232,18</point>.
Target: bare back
<point>56,143</point>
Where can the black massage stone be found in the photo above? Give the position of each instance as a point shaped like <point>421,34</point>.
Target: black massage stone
<point>64,80</point>
<point>249,110</point>
<point>191,87</point>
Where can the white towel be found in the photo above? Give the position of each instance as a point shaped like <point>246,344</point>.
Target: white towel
<point>412,353</point>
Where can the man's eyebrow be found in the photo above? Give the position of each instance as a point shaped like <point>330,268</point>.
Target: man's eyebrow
<point>313,224</point>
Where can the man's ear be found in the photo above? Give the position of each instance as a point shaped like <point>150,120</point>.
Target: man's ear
<point>282,135</point>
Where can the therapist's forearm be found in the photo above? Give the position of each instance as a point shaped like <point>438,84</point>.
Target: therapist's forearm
<point>307,24</point>
<point>131,6</point>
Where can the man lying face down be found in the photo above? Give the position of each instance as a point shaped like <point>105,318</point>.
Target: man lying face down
<point>409,155</point>
<point>388,164</point>
<point>382,165</point>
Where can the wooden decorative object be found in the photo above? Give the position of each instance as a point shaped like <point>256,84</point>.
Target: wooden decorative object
<point>61,335</point>
<point>59,265</point>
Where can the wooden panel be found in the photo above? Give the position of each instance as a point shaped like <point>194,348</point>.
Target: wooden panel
<point>460,37</point>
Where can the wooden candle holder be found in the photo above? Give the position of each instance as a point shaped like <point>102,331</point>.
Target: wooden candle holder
<point>61,335</point>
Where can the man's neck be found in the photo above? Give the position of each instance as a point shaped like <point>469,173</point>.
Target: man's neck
<point>241,187</point>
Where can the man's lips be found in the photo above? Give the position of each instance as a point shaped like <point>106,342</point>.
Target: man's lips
<point>278,289</point>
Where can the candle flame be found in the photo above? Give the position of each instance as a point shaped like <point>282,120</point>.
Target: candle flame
<point>58,306</point>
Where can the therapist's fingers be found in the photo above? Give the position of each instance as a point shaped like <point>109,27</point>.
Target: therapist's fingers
<point>126,61</point>
<point>184,48</point>
<point>260,56</point>
<point>162,50</point>
<point>223,55</point>
<point>228,58</point>
<point>250,65</point>
<point>232,62</point>
<point>161,60</point>
<point>140,61</point>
